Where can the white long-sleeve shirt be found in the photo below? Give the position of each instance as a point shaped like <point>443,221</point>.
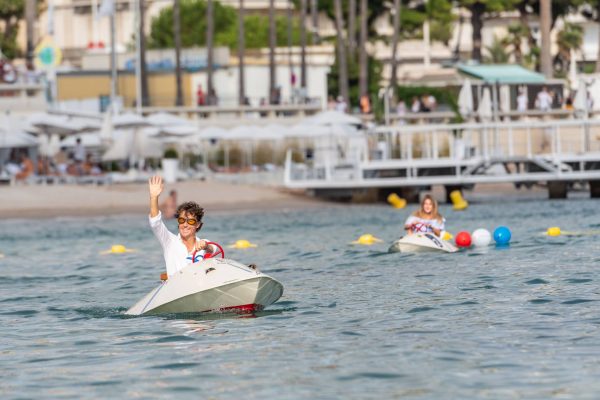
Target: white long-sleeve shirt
<point>174,250</point>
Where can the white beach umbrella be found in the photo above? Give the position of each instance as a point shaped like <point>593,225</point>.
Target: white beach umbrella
<point>90,139</point>
<point>13,140</point>
<point>166,119</point>
<point>465,99</point>
<point>573,81</point>
<point>332,117</point>
<point>580,101</point>
<point>484,111</point>
<point>128,120</point>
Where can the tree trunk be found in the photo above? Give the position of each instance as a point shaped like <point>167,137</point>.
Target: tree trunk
<point>598,55</point>
<point>30,17</point>
<point>272,46</point>
<point>545,22</point>
<point>343,69</point>
<point>363,67</point>
<point>210,30</point>
<point>177,34</point>
<point>241,50</point>
<point>395,36</point>
<point>303,46</point>
<point>477,23</point>
<point>351,27</point>
<point>314,11</point>
<point>143,68</point>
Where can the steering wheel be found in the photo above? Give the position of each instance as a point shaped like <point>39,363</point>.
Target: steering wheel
<point>219,251</point>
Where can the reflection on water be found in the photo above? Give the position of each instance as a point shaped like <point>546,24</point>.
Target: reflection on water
<point>354,322</point>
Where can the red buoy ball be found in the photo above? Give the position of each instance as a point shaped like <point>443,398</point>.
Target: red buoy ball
<point>463,239</point>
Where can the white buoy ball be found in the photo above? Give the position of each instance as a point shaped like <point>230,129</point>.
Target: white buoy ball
<point>481,237</point>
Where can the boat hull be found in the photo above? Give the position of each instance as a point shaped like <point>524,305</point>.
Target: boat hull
<point>211,285</point>
<point>421,242</point>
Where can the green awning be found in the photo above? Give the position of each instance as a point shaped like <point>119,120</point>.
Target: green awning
<point>502,73</point>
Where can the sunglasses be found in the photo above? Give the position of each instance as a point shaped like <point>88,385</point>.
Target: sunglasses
<point>190,221</point>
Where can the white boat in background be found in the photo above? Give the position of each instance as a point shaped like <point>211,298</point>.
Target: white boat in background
<point>421,242</point>
<point>215,284</point>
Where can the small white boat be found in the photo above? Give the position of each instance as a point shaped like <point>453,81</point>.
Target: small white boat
<point>421,242</point>
<point>214,284</point>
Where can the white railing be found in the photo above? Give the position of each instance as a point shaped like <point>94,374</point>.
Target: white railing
<point>22,97</point>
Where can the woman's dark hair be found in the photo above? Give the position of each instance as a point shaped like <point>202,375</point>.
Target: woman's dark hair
<point>193,208</point>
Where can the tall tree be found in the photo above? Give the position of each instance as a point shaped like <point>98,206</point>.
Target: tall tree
<point>314,13</point>
<point>30,11</point>
<point>514,38</point>
<point>479,9</point>
<point>303,45</point>
<point>545,26</point>
<point>568,40</point>
<point>210,31</point>
<point>342,61</point>
<point>11,12</point>
<point>351,27</point>
<point>143,67</point>
<point>177,31</point>
<point>363,61</point>
<point>395,36</point>
<point>272,48</point>
<point>241,50</point>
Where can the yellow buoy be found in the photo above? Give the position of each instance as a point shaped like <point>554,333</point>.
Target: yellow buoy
<point>447,236</point>
<point>117,249</point>
<point>242,244</point>
<point>553,231</point>
<point>458,201</point>
<point>396,201</point>
<point>367,239</point>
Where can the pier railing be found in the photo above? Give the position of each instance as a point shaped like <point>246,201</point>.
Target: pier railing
<point>455,154</point>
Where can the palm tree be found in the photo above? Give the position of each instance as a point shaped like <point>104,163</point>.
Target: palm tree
<point>396,24</point>
<point>212,99</point>
<point>241,50</point>
<point>343,68</point>
<point>351,26</point>
<point>545,25</point>
<point>569,39</point>
<point>143,69</point>
<point>516,33</point>
<point>272,45</point>
<point>598,19</point>
<point>363,61</point>
<point>314,12</point>
<point>177,34</point>
<point>497,53</point>
<point>303,45</point>
<point>30,11</point>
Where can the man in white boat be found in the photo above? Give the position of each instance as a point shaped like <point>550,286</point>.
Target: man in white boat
<point>184,248</point>
<point>426,218</point>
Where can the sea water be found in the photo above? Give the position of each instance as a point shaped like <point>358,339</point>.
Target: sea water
<point>355,322</point>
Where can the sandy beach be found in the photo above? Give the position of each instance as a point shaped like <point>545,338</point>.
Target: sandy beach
<point>25,201</point>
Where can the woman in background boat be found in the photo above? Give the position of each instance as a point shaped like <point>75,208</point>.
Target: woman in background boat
<point>184,248</point>
<point>426,219</point>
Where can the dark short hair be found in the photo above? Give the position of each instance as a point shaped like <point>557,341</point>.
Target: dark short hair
<point>193,208</point>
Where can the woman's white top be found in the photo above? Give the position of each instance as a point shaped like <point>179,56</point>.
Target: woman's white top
<point>424,225</point>
<point>174,250</point>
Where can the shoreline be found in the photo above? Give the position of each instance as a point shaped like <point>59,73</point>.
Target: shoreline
<point>49,201</point>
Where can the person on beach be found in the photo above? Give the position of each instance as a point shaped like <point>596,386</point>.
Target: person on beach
<point>426,219</point>
<point>168,208</point>
<point>184,248</point>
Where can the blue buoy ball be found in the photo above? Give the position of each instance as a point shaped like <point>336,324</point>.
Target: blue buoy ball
<point>502,235</point>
